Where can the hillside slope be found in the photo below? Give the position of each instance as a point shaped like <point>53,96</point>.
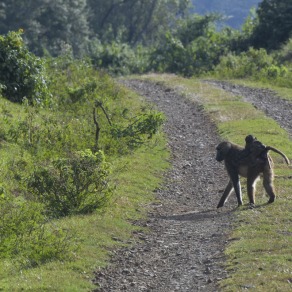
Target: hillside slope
<point>236,11</point>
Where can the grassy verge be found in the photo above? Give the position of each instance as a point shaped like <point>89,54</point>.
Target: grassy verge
<point>260,249</point>
<point>136,176</point>
<point>95,235</point>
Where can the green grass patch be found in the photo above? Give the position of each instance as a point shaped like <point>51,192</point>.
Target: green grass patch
<point>259,253</point>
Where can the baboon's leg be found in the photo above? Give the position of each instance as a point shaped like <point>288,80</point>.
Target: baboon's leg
<point>226,194</point>
<point>251,186</point>
<point>268,184</point>
<point>237,187</point>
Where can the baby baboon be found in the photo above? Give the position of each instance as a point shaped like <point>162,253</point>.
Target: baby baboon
<point>248,162</point>
<point>255,150</point>
<point>259,152</point>
<point>247,151</point>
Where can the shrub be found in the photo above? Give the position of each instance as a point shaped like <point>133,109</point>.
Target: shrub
<point>119,58</point>
<point>285,53</point>
<point>74,185</point>
<point>139,128</point>
<point>25,233</point>
<point>21,72</point>
<point>189,57</point>
<point>255,64</point>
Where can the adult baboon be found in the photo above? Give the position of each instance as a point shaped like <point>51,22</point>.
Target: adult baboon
<point>248,162</point>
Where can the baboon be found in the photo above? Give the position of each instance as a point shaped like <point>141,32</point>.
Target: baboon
<point>247,151</point>
<point>259,152</point>
<point>248,162</point>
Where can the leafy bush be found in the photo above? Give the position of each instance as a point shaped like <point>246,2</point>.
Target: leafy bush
<point>133,135</point>
<point>285,53</point>
<point>21,73</point>
<point>256,64</point>
<point>25,233</point>
<point>74,185</point>
<point>119,58</point>
<point>191,50</point>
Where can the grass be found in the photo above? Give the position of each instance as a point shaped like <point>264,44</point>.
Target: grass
<point>96,235</point>
<point>136,177</point>
<point>259,253</point>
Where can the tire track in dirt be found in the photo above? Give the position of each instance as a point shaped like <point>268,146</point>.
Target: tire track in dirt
<point>265,100</point>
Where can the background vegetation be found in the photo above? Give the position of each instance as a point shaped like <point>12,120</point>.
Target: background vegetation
<point>132,36</point>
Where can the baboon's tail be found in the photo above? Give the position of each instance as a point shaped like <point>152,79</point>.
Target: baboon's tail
<point>279,152</point>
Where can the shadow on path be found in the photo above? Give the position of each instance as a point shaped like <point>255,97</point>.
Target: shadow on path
<point>209,214</point>
<point>198,215</point>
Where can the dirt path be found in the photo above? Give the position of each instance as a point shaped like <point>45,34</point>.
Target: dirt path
<point>184,250</point>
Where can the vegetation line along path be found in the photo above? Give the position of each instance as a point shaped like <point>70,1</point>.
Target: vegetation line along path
<point>184,251</point>
<point>265,100</point>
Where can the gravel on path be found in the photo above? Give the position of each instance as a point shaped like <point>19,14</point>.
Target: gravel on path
<point>184,249</point>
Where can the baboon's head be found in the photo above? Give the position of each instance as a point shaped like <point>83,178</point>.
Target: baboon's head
<point>222,150</point>
<point>250,139</point>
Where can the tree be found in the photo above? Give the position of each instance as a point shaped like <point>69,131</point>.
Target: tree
<point>133,21</point>
<point>274,24</point>
<point>194,47</point>
<point>48,25</point>
<point>22,74</point>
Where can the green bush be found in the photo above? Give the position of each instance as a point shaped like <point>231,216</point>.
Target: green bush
<point>119,58</point>
<point>255,64</point>
<point>133,135</point>
<point>21,73</point>
<point>26,235</point>
<point>285,53</point>
<point>195,58</point>
<point>75,185</point>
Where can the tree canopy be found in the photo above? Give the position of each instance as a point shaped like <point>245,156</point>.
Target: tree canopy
<point>50,26</point>
<point>274,24</point>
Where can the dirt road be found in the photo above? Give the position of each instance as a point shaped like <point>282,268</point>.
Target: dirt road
<point>184,250</point>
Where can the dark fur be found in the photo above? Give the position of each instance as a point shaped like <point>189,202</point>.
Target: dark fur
<point>248,162</point>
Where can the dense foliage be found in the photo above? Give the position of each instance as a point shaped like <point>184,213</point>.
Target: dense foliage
<point>21,72</point>
<point>49,26</point>
<point>253,63</point>
<point>275,26</point>
<point>74,185</point>
<point>53,26</point>
<point>133,36</point>
<point>193,48</point>
<point>134,21</point>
